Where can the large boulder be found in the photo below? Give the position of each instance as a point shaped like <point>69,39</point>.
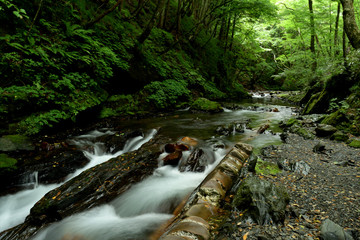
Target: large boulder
<point>95,186</point>
<point>324,130</point>
<point>265,202</point>
<point>332,231</point>
<point>205,105</point>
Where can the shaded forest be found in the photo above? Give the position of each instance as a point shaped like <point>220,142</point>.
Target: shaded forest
<point>65,61</point>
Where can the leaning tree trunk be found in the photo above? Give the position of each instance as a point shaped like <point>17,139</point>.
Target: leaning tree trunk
<point>350,26</point>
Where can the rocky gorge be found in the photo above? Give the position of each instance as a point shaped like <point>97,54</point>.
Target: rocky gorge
<point>299,184</point>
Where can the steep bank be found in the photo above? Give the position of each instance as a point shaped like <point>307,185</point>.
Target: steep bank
<point>66,61</point>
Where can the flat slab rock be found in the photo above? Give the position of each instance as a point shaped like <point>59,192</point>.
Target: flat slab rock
<point>95,186</point>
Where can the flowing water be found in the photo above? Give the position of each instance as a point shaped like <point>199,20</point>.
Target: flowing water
<point>148,204</point>
<point>14,208</point>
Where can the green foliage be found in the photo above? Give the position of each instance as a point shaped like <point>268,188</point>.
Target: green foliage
<point>37,122</point>
<point>355,144</point>
<point>166,94</point>
<point>266,168</point>
<point>335,105</point>
<point>120,105</point>
<point>7,162</point>
<point>203,104</point>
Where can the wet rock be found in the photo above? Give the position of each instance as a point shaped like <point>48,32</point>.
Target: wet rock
<point>331,231</point>
<point>189,141</point>
<point>232,128</point>
<point>275,110</point>
<point>263,128</point>
<point>204,202</point>
<point>98,185</point>
<point>196,162</point>
<point>116,142</point>
<point>173,158</point>
<point>265,203</point>
<point>170,147</point>
<point>324,130</point>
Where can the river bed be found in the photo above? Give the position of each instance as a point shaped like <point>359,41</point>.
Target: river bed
<point>148,204</point>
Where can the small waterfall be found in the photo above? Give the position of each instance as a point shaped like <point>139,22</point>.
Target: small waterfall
<point>136,213</point>
<point>14,208</point>
<point>30,181</point>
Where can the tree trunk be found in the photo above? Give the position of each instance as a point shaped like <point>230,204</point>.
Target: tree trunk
<point>313,36</point>
<point>233,32</point>
<point>336,36</point>
<point>312,26</point>
<point>91,23</point>
<point>350,25</point>
<point>145,34</point>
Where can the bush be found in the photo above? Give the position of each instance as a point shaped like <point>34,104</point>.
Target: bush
<point>166,94</point>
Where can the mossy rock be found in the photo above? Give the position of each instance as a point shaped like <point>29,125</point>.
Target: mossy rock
<point>263,201</point>
<point>266,168</point>
<point>318,103</point>
<point>336,118</point>
<point>7,162</point>
<point>355,144</point>
<point>339,136</point>
<point>205,105</point>
<point>301,132</point>
<point>291,122</point>
<point>15,143</point>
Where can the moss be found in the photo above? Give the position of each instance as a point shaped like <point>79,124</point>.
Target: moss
<point>339,136</point>
<point>266,168</point>
<point>355,144</point>
<point>18,139</point>
<point>7,162</point>
<point>304,133</point>
<point>291,122</point>
<point>203,104</point>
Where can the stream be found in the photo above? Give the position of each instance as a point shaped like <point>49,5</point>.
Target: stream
<point>142,209</point>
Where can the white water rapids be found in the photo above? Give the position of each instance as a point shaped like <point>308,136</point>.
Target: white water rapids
<point>136,213</point>
<point>15,207</point>
<point>148,204</point>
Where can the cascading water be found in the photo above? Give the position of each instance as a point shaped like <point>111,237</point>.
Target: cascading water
<point>147,205</point>
<point>14,208</point>
<point>136,213</point>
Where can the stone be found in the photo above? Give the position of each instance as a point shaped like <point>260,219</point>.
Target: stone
<point>93,187</point>
<point>300,167</point>
<point>263,128</point>
<point>196,162</point>
<point>265,203</point>
<point>324,130</point>
<point>170,147</point>
<point>319,147</point>
<point>194,228</point>
<point>173,158</point>
<point>339,136</point>
<point>10,143</point>
<point>332,231</point>
<point>190,141</point>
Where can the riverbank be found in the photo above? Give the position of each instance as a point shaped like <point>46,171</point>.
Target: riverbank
<point>330,190</point>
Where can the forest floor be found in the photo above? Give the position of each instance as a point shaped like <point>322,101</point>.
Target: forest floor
<point>330,190</point>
